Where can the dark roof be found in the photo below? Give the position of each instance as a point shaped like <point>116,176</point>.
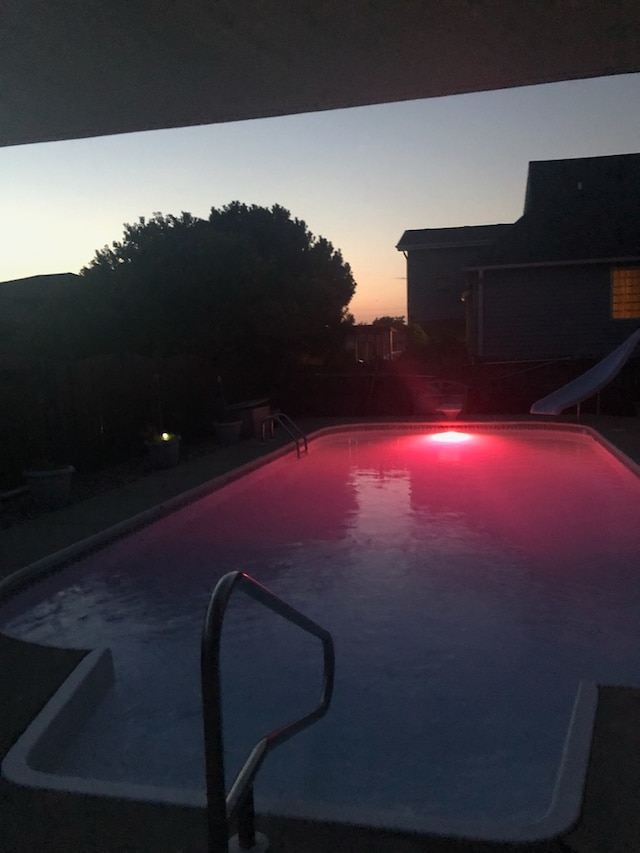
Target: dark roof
<point>585,209</point>
<point>590,181</point>
<point>446,238</point>
<point>35,286</point>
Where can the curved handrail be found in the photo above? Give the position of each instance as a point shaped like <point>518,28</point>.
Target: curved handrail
<point>222,808</point>
<point>290,428</point>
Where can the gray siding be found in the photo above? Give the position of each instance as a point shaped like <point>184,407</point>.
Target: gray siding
<point>547,313</point>
<point>435,284</point>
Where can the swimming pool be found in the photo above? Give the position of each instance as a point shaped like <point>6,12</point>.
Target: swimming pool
<point>470,585</point>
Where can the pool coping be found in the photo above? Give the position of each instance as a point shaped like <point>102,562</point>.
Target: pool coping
<point>32,760</point>
<point>27,574</point>
<point>567,797</point>
<point>83,547</point>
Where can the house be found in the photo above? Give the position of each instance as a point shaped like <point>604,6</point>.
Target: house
<point>563,282</point>
<point>436,279</point>
<point>30,305</point>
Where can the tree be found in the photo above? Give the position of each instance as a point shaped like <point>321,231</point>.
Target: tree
<point>251,288</point>
<point>142,286</point>
<point>417,339</point>
<point>396,322</point>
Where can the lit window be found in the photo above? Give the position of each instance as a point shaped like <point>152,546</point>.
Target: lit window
<point>625,294</point>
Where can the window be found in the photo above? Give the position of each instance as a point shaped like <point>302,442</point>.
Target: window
<point>625,294</point>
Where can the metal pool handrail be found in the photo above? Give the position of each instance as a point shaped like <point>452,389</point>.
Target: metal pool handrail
<point>223,808</point>
<point>291,428</point>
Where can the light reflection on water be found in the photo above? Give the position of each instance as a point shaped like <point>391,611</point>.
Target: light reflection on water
<point>469,587</point>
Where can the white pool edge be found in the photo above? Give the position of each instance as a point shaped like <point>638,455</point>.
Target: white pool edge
<point>32,760</point>
<point>30,573</point>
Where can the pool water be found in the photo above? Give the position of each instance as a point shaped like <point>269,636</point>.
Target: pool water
<point>470,585</point>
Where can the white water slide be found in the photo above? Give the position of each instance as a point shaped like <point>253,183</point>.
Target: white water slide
<point>585,386</point>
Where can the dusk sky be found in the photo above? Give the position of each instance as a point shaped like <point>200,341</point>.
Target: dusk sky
<point>358,177</point>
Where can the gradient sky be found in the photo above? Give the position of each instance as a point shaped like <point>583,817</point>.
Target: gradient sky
<point>358,177</point>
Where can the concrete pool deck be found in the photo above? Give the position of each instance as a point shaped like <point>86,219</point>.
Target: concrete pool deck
<point>53,821</point>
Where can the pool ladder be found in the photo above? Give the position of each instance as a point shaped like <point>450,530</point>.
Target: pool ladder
<point>292,429</point>
<point>237,806</point>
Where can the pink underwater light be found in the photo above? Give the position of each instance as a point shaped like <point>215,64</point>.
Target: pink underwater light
<point>450,437</point>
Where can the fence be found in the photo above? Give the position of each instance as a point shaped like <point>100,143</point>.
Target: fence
<point>93,411</point>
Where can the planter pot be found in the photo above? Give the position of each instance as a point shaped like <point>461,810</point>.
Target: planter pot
<point>164,454</point>
<point>228,432</point>
<point>50,489</point>
<point>251,413</point>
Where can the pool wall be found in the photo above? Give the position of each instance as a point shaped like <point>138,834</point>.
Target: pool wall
<point>33,759</point>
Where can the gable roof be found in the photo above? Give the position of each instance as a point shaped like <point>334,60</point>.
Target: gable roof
<point>447,238</point>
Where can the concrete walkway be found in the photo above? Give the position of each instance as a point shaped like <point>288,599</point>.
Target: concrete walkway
<point>29,674</point>
<point>51,532</point>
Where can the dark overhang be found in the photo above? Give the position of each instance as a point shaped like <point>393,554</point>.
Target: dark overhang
<point>426,239</point>
<point>79,68</point>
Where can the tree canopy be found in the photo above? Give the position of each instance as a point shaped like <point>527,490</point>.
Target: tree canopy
<point>386,321</point>
<point>251,288</point>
